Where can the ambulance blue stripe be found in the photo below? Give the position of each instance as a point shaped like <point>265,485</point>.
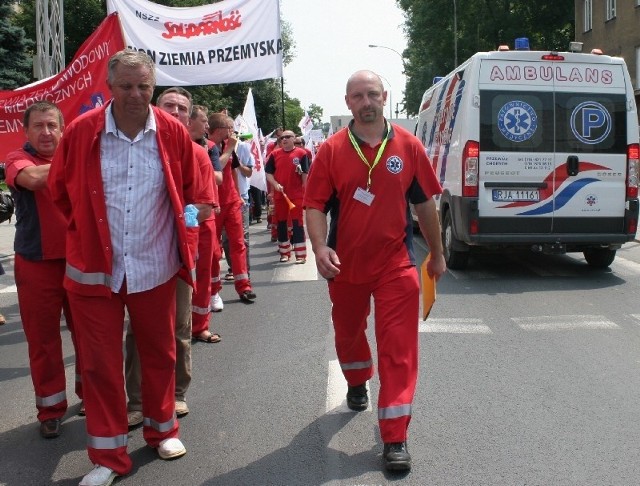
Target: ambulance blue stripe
<point>434,127</point>
<point>561,199</point>
<point>452,122</point>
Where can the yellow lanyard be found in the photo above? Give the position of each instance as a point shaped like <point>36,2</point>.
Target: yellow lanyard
<point>364,159</point>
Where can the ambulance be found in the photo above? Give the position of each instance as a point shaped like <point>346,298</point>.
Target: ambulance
<point>534,150</point>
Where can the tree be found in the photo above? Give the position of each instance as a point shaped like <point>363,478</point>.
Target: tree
<point>482,25</point>
<point>16,50</point>
<point>315,113</point>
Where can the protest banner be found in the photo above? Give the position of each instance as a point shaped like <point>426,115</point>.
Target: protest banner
<point>81,86</point>
<point>226,42</point>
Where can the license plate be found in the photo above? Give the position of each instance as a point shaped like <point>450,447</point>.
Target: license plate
<point>514,195</point>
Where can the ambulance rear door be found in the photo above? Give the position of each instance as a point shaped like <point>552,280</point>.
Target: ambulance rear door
<point>517,154</point>
<point>591,147</point>
<point>552,147</point>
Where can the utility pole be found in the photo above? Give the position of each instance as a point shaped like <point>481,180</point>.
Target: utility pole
<point>49,58</point>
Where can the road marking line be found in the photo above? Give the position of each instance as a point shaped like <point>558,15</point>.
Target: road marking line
<point>626,267</point>
<point>293,272</point>
<point>454,326</point>
<point>337,391</point>
<point>11,289</point>
<point>563,323</point>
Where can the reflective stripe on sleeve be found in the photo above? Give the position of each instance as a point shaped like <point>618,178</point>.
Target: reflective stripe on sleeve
<point>96,278</point>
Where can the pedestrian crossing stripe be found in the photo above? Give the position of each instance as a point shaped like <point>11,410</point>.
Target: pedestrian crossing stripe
<point>534,323</point>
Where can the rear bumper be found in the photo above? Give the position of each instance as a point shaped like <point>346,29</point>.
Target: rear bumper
<point>576,233</point>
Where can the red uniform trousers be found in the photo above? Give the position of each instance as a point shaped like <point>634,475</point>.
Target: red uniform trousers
<point>151,316</point>
<point>396,296</point>
<point>230,218</point>
<point>293,216</point>
<point>42,299</point>
<point>208,250</point>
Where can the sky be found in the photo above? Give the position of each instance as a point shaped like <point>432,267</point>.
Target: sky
<point>332,40</point>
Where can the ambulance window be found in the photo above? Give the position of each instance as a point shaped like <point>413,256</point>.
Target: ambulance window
<point>516,121</point>
<point>591,123</point>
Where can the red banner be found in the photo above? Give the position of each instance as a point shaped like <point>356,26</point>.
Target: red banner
<point>81,86</point>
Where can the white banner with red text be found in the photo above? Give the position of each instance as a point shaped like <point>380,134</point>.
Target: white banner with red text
<point>226,42</point>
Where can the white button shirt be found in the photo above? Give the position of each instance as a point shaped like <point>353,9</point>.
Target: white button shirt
<point>141,221</point>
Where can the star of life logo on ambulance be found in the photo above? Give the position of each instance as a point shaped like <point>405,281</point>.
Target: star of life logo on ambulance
<point>394,164</point>
<point>517,121</point>
<point>590,122</point>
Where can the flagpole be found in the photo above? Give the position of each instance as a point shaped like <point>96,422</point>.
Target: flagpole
<point>282,94</point>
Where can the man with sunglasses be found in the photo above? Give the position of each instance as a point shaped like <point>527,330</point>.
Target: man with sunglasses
<point>286,170</point>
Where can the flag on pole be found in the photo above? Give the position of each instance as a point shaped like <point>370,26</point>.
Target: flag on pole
<point>306,124</point>
<point>258,178</point>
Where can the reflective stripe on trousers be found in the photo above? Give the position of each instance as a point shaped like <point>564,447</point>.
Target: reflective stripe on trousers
<point>160,427</point>
<point>356,365</point>
<point>51,400</point>
<point>107,442</point>
<point>394,412</point>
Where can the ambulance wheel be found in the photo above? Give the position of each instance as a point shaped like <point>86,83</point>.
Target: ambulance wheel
<point>599,257</point>
<point>456,259</point>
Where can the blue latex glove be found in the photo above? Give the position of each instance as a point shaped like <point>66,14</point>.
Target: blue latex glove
<point>191,216</point>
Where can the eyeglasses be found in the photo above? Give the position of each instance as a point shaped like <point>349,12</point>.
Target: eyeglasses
<point>297,143</point>
<point>286,136</point>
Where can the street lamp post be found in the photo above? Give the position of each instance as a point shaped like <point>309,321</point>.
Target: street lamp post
<point>404,69</point>
<point>390,104</point>
<point>455,36</point>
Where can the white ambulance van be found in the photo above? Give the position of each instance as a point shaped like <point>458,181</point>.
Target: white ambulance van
<point>534,150</point>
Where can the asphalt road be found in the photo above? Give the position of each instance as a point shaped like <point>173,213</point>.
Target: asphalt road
<point>529,376</point>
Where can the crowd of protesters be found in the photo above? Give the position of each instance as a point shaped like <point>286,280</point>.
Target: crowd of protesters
<point>123,220</point>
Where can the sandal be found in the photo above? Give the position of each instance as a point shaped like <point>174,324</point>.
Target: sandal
<point>211,338</point>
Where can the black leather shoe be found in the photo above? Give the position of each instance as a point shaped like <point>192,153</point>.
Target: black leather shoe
<point>248,296</point>
<point>357,398</point>
<point>50,428</point>
<point>396,457</point>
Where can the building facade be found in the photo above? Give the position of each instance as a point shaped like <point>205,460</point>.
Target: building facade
<point>614,27</point>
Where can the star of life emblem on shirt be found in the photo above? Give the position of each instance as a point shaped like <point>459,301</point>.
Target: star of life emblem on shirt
<point>394,164</point>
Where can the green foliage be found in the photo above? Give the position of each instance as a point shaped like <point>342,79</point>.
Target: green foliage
<point>482,25</point>
<point>16,50</point>
<point>315,112</point>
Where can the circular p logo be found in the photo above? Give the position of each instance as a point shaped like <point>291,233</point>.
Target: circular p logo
<point>590,122</point>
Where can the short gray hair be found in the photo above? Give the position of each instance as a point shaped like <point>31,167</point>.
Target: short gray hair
<point>131,58</point>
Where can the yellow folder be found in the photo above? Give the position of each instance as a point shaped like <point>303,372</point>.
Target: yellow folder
<point>428,289</point>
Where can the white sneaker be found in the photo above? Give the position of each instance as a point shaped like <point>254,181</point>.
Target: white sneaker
<point>171,449</point>
<point>134,418</point>
<point>216,304</point>
<point>181,408</point>
<point>99,476</point>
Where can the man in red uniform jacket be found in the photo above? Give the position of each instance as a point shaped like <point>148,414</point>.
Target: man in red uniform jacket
<point>230,216</point>
<point>40,263</point>
<point>366,175</point>
<point>286,171</point>
<point>124,176</point>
